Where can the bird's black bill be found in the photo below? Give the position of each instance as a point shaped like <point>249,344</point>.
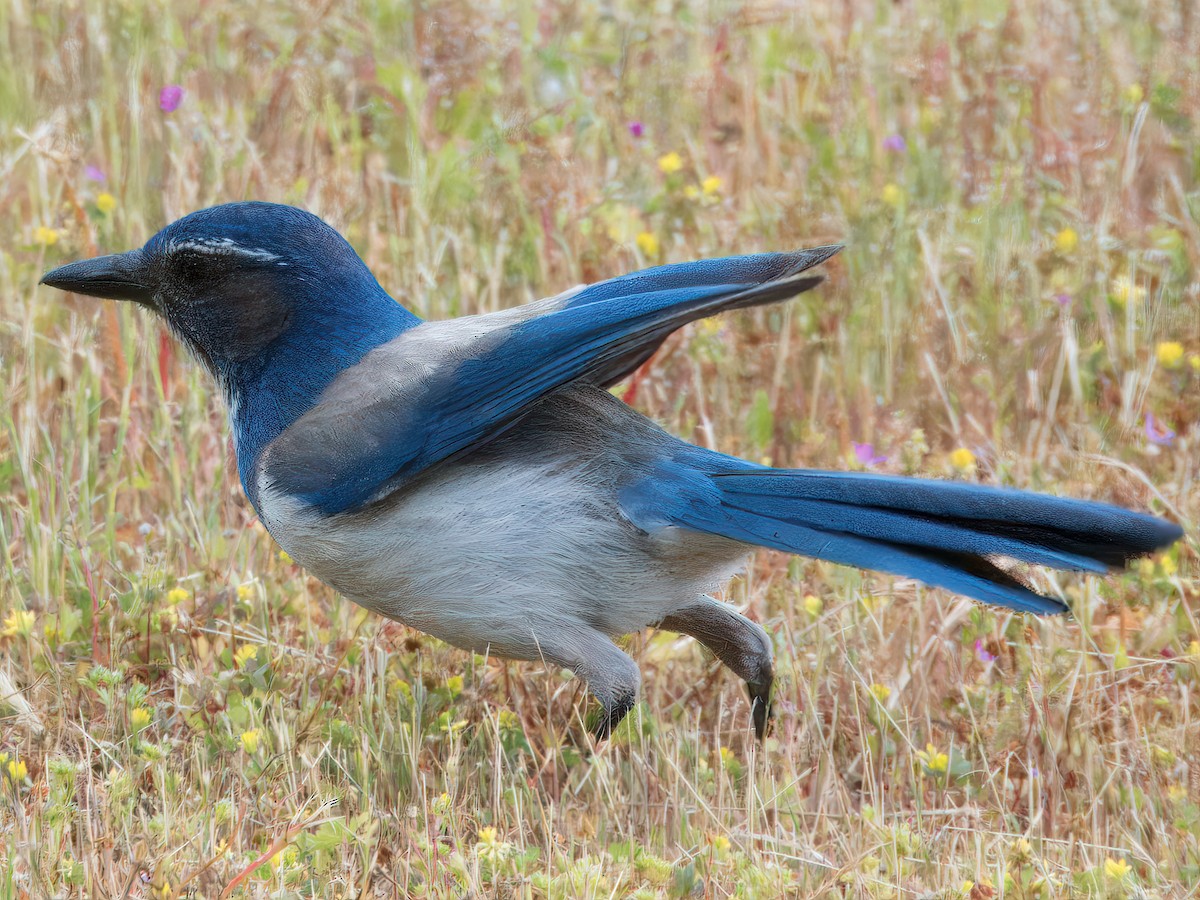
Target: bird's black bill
<point>121,276</point>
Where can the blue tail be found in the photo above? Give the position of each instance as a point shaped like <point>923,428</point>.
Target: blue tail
<point>945,534</point>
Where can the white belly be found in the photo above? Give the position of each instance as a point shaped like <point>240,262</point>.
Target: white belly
<point>488,554</point>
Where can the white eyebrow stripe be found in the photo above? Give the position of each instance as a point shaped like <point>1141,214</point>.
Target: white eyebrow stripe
<point>223,245</point>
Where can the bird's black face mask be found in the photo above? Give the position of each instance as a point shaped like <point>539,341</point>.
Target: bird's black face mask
<point>225,301</point>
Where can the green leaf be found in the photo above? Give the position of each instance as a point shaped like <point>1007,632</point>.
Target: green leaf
<point>760,421</point>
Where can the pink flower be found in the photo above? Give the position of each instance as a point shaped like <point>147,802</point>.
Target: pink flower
<point>866,454</point>
<point>1062,299</point>
<point>95,173</point>
<point>637,129</point>
<point>895,143</point>
<point>170,97</point>
<point>1157,433</point>
<point>982,652</point>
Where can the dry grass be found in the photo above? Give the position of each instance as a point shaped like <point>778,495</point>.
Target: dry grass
<point>178,703</point>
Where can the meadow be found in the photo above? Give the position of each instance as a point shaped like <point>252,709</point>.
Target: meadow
<point>185,713</point>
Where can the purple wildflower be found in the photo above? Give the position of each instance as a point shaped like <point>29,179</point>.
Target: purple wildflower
<point>982,652</point>
<point>895,143</point>
<point>637,129</point>
<point>1157,433</point>
<point>1063,300</point>
<point>866,454</point>
<point>170,97</point>
<point>95,173</point>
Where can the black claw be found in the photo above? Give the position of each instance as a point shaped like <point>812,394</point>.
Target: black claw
<point>760,706</point>
<point>611,717</point>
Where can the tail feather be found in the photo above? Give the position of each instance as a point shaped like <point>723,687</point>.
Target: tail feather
<point>1108,534</point>
<point>945,534</point>
<point>962,573</point>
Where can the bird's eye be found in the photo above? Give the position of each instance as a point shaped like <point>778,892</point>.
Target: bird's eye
<point>198,267</point>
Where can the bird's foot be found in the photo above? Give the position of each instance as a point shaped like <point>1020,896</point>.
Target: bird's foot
<point>612,715</point>
<point>760,704</point>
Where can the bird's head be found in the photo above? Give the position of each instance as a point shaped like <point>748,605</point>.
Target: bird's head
<point>232,279</point>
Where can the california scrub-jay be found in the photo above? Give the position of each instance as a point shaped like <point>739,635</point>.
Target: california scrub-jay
<point>474,478</point>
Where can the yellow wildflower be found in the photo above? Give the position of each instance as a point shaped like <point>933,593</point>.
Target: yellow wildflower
<point>930,118</point>
<point>691,191</point>
<point>880,692</point>
<point>935,762</point>
<point>1116,868</point>
<point>1194,362</point>
<point>47,237</point>
<point>454,684</point>
<point>244,653</point>
<point>139,718</point>
<point>1066,240</point>
<point>285,558</point>
<point>1122,290</point>
<point>962,459</point>
<point>1134,94</point>
<point>18,623</point>
<point>670,163</point>
<point>966,887</point>
<point>106,203</point>
<point>16,770</point>
<point>508,720</point>
<point>892,195</point>
<point>490,847</point>
<point>1167,563</point>
<point>720,845</point>
<point>711,185</point>
<point>813,605</point>
<point>250,740</point>
<point>177,595</point>
<point>245,591</point>
<point>648,243</point>
<point>1169,354</point>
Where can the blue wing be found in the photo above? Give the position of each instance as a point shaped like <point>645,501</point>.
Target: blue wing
<point>758,268</point>
<point>443,388</point>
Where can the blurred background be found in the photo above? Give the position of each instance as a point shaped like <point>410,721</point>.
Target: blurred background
<point>184,713</point>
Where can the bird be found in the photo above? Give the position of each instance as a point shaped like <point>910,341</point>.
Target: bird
<point>475,478</point>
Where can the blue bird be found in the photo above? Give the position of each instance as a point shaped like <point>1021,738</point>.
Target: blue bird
<point>473,478</point>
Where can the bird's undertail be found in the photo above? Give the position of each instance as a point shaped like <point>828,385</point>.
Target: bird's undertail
<point>943,533</point>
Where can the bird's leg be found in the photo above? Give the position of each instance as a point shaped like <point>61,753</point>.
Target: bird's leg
<point>740,644</point>
<point>611,676</point>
